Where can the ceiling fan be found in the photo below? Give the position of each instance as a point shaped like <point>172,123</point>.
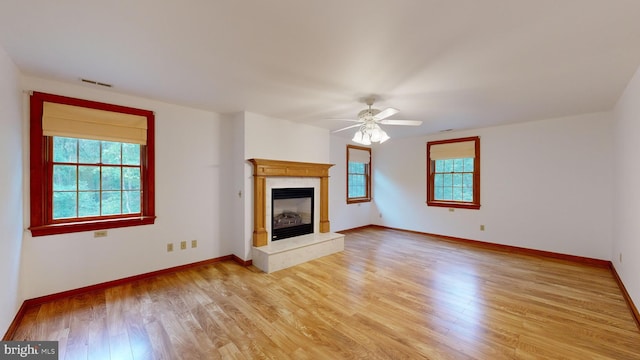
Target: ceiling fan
<point>369,121</point>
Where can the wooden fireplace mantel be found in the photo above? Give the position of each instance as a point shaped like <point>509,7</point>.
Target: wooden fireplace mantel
<point>263,168</point>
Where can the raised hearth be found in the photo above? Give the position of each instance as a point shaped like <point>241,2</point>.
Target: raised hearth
<point>285,253</point>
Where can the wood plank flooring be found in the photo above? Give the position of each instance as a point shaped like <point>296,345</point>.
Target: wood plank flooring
<point>390,295</point>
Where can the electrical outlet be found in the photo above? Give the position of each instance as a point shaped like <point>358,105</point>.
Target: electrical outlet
<point>100,233</point>
<point>183,245</point>
<point>481,227</point>
<point>620,257</point>
<point>194,243</point>
<point>169,247</point>
<point>452,209</point>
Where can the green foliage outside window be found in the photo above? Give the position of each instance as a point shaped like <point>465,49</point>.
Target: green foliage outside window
<point>357,180</point>
<point>453,179</point>
<point>95,178</point>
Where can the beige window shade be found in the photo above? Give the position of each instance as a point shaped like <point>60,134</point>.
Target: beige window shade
<point>86,123</point>
<point>455,150</point>
<point>360,156</point>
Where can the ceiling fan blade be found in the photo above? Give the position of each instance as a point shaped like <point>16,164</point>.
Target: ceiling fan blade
<point>352,120</point>
<point>401,122</point>
<point>385,113</point>
<point>345,128</point>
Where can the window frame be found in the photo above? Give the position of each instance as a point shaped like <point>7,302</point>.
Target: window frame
<point>431,201</point>
<point>368,168</point>
<point>41,185</point>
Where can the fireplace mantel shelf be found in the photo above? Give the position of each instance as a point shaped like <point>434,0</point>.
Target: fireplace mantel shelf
<point>264,167</point>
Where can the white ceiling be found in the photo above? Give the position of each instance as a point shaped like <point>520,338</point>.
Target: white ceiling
<point>451,63</point>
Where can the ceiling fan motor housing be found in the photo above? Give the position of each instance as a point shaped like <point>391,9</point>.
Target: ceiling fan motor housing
<point>368,114</point>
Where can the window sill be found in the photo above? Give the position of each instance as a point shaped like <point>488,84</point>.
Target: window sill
<point>454,204</point>
<point>66,228</point>
<point>358,200</point>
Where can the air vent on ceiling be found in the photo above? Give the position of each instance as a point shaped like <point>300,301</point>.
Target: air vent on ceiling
<point>95,82</point>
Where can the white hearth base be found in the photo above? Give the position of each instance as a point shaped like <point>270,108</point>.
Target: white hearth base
<point>281,254</point>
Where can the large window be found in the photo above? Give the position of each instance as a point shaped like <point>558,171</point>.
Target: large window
<point>453,173</point>
<point>95,178</point>
<point>92,165</point>
<point>358,174</point>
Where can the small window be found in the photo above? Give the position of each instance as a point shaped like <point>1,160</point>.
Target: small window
<point>358,174</point>
<point>92,165</point>
<point>453,173</point>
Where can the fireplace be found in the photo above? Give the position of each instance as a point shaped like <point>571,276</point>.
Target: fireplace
<point>269,177</point>
<point>291,212</point>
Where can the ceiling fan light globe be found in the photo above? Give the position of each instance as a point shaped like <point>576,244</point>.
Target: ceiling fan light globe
<point>376,135</point>
<point>366,140</point>
<point>384,137</point>
<point>357,137</point>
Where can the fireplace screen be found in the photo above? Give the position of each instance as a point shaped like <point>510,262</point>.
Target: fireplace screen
<point>292,212</point>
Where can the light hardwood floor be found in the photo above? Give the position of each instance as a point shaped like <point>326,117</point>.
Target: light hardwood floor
<point>390,295</point>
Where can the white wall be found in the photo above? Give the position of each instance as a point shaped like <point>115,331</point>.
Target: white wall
<point>234,207</point>
<point>626,234</point>
<point>11,190</point>
<point>277,139</point>
<point>188,204</point>
<point>345,216</point>
<point>545,185</point>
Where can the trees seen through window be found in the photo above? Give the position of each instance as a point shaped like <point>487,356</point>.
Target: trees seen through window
<point>95,178</point>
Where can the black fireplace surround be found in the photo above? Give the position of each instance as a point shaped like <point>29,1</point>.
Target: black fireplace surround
<point>291,212</point>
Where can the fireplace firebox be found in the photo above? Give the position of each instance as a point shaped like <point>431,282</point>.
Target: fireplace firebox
<point>291,212</point>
